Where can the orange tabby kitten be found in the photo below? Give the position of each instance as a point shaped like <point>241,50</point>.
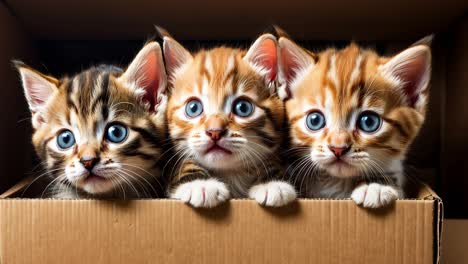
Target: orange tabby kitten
<point>225,121</point>
<point>99,133</point>
<point>353,114</point>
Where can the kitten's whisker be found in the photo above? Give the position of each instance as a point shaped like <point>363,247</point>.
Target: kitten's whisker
<point>37,178</point>
<point>116,182</point>
<point>175,155</point>
<point>120,187</point>
<point>125,177</point>
<point>141,177</point>
<point>120,174</point>
<point>182,157</point>
<point>52,182</point>
<point>305,167</point>
<point>168,151</point>
<point>259,156</point>
<point>251,160</point>
<point>148,173</point>
<point>291,170</point>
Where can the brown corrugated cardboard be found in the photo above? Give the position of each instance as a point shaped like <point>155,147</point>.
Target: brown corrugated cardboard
<point>454,243</point>
<point>241,231</point>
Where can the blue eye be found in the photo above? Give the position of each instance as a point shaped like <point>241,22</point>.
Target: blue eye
<point>193,108</point>
<point>315,121</point>
<point>65,139</point>
<point>369,122</point>
<point>243,108</point>
<point>116,133</point>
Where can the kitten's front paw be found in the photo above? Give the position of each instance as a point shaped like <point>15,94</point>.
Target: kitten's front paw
<point>275,193</point>
<point>374,195</point>
<point>202,193</point>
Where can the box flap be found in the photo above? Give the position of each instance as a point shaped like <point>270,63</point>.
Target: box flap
<point>17,188</point>
<point>426,193</point>
<point>454,244</point>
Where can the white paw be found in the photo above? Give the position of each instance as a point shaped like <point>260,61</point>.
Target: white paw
<point>374,195</point>
<point>202,193</point>
<point>275,193</point>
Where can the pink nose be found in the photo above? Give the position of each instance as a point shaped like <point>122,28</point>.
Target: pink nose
<point>215,134</point>
<point>339,151</point>
<point>89,162</point>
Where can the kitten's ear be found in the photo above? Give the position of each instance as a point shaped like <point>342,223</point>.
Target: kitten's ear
<point>263,57</point>
<point>38,89</point>
<point>146,74</point>
<point>294,61</point>
<point>174,53</point>
<point>411,71</point>
<point>427,41</point>
<point>278,32</point>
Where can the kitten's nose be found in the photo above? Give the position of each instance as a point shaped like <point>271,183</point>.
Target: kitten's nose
<point>216,127</point>
<point>339,151</point>
<point>215,134</point>
<point>89,162</point>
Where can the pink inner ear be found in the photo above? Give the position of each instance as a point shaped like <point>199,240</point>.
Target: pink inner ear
<point>149,79</point>
<point>267,58</point>
<point>38,89</point>
<point>171,60</point>
<point>37,92</point>
<point>289,64</point>
<point>412,75</point>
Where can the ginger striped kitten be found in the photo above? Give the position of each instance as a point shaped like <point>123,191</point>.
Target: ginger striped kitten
<point>99,133</point>
<point>225,121</point>
<point>353,114</point>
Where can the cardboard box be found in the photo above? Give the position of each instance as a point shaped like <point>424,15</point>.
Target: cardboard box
<point>454,242</point>
<point>68,35</point>
<point>240,231</point>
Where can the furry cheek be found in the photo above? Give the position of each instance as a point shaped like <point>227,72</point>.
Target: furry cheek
<point>75,171</point>
<point>181,125</point>
<point>317,153</point>
<point>197,140</point>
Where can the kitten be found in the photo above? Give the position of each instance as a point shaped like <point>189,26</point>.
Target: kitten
<point>99,133</point>
<point>353,114</point>
<point>226,121</point>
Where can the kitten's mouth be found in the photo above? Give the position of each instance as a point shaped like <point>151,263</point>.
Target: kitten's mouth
<point>93,178</point>
<point>341,168</point>
<point>217,149</point>
<point>94,183</point>
<point>339,162</point>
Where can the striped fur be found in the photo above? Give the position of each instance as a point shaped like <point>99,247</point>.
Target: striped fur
<point>218,78</point>
<point>86,104</point>
<point>342,84</point>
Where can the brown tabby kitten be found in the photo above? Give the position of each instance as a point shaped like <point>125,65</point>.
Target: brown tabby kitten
<point>99,133</point>
<point>225,121</point>
<point>353,114</point>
